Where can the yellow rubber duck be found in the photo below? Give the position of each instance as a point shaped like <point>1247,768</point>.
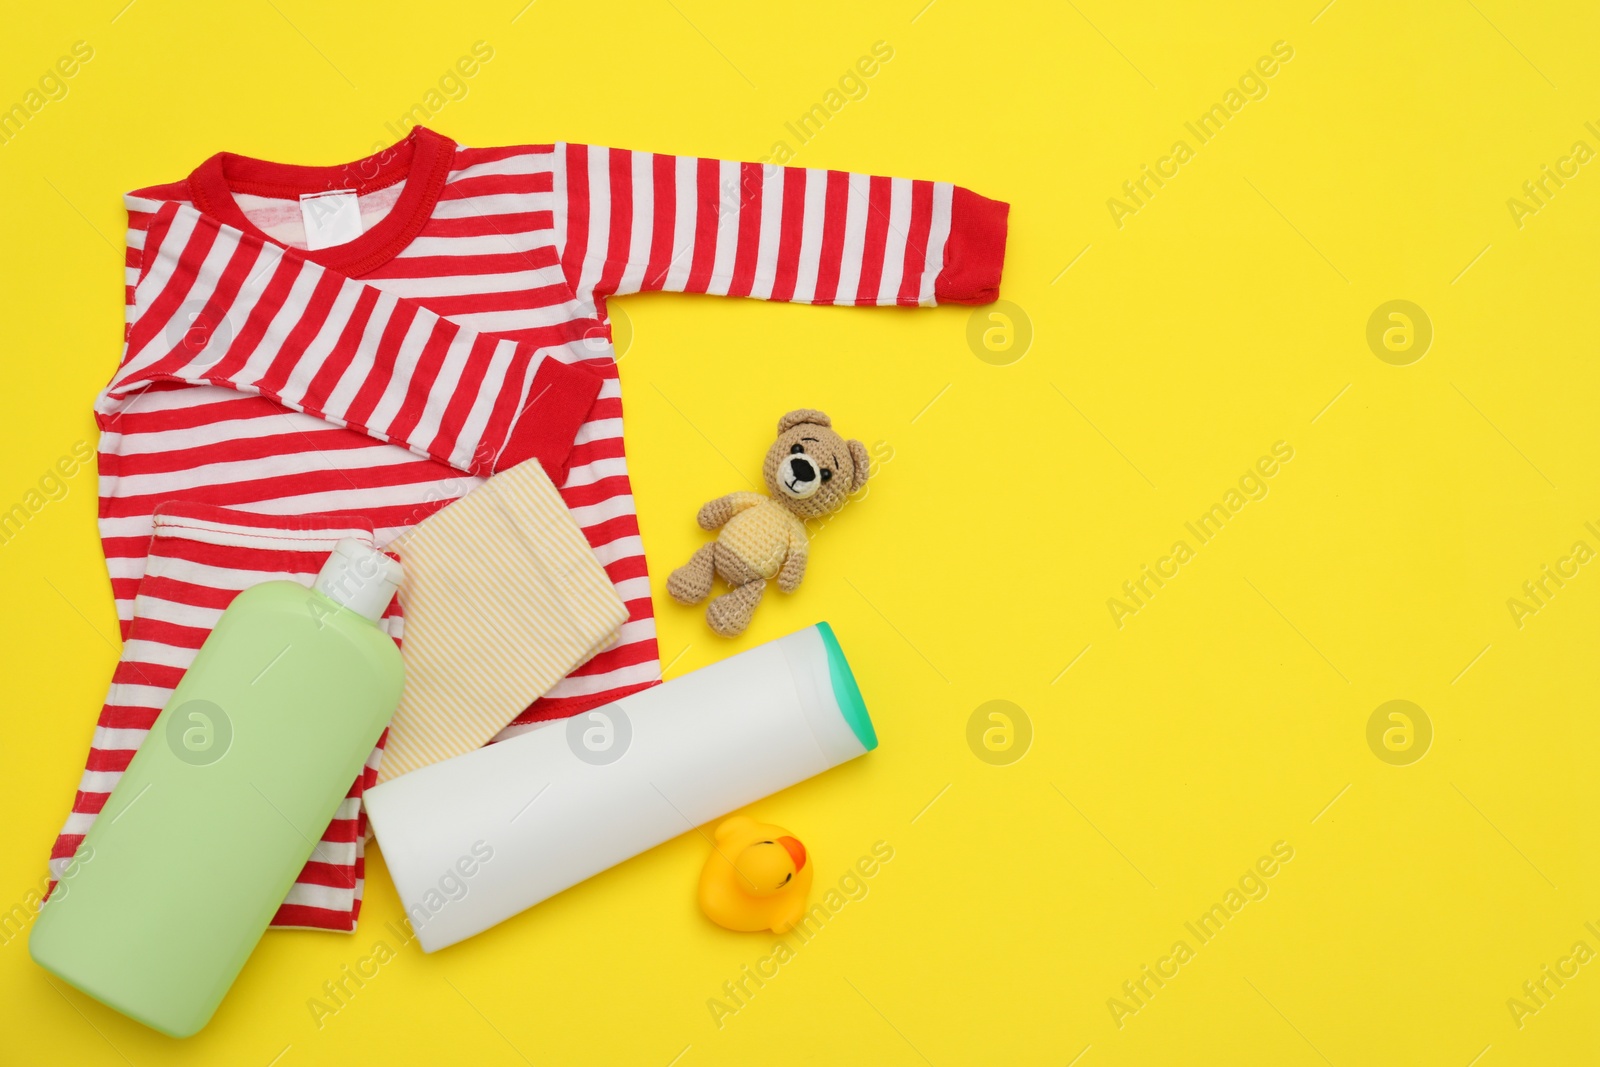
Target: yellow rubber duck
<point>756,877</point>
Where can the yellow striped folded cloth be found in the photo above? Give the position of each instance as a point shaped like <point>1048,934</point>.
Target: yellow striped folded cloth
<point>503,598</point>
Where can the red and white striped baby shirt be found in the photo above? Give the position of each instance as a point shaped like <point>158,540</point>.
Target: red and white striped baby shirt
<point>463,331</point>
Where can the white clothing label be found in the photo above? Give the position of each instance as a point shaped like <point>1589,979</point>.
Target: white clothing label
<point>331,218</point>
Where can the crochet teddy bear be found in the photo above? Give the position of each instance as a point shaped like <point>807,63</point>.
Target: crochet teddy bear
<point>810,472</point>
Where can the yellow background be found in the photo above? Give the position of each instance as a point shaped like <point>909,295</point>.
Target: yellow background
<point>1228,714</point>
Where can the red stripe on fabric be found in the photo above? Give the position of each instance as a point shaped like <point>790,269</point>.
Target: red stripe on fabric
<point>466,187</point>
<point>593,452</point>
<point>344,353</point>
<point>431,481</point>
<point>620,164</point>
<point>127,717</point>
<point>176,544</point>
<point>501,410</point>
<point>155,232</point>
<point>917,242</point>
<point>292,353</point>
<point>493,225</point>
<point>464,395</point>
<point>576,240</point>
<point>109,759</point>
<point>880,194</point>
<point>612,659</point>
<point>195,336</point>
<point>708,206</point>
<point>663,224</point>
<point>188,594</point>
<point>748,246</point>
<point>180,510</point>
<point>90,803</point>
<point>343,831</point>
<point>158,314</point>
<point>193,409</point>
<point>791,232</point>
<point>339,875</point>
<point>171,635</point>
<point>378,368</point>
<point>558,333</point>
<point>246,338</point>
<point>545,709</point>
<point>398,517</point>
<point>620,570</point>
<point>316,918</point>
<point>511,300</point>
<point>424,381</point>
<point>65,847</point>
<point>454,419</point>
<point>329,439</point>
<point>267,490</point>
<point>156,675</point>
<point>471,157</point>
<point>603,533</point>
<point>836,210</point>
<point>596,492</point>
<point>502,255</point>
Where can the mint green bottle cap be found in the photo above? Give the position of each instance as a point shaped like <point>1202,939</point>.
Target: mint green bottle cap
<point>845,690</point>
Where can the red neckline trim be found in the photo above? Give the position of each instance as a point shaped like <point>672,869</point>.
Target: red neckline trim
<point>421,160</point>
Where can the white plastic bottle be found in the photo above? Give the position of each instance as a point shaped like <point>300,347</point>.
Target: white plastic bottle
<point>474,840</point>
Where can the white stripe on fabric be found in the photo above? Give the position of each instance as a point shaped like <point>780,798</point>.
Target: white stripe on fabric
<point>894,242</point>
<point>857,205</point>
<point>813,225</point>
<point>728,208</point>
<point>644,218</point>
<point>938,232</point>
<point>686,180</point>
<point>771,231</point>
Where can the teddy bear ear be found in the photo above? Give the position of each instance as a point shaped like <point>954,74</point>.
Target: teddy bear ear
<point>803,415</point>
<point>863,463</point>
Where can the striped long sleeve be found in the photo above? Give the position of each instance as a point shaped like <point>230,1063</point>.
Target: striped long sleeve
<point>220,307</point>
<point>638,221</point>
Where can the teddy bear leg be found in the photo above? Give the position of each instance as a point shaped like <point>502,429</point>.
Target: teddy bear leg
<point>691,583</point>
<point>730,613</point>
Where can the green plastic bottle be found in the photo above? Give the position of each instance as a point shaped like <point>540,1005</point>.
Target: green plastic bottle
<point>228,795</point>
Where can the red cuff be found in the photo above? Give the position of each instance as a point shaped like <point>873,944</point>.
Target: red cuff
<point>975,250</point>
<point>561,396</point>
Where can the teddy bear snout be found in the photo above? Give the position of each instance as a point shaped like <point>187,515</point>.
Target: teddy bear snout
<point>797,476</point>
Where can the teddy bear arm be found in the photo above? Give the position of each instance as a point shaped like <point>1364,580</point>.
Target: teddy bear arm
<point>716,513</point>
<point>793,570</point>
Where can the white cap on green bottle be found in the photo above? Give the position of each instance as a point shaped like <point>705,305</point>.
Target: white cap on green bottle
<point>359,577</point>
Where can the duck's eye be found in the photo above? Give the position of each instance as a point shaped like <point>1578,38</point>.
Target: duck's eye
<point>795,450</point>
<point>785,880</point>
<point>827,475</point>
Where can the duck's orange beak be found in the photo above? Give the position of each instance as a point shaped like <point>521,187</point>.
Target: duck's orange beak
<point>796,850</point>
